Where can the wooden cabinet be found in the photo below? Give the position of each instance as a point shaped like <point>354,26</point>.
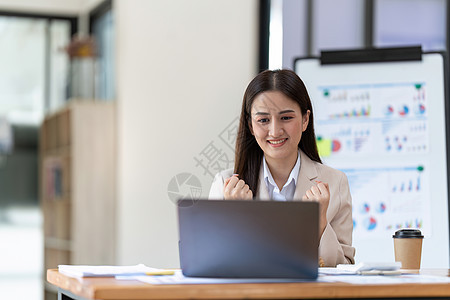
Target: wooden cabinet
<point>77,184</point>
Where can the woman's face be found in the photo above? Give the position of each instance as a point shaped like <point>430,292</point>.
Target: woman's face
<point>277,124</point>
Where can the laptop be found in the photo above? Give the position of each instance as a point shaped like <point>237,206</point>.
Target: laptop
<point>248,239</point>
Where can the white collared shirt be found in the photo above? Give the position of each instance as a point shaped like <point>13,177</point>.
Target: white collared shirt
<point>288,190</point>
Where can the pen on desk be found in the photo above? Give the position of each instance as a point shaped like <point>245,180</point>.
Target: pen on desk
<point>162,272</point>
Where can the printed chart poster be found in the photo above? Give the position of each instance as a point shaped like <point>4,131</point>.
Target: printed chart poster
<point>378,135</point>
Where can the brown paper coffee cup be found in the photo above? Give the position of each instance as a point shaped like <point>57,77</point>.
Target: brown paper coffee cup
<point>408,248</point>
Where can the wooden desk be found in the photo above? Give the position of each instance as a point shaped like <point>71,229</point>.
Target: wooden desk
<point>109,289</point>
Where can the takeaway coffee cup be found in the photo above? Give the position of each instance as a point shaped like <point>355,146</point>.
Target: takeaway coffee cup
<point>408,247</point>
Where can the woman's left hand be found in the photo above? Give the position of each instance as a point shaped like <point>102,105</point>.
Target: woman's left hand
<point>319,193</point>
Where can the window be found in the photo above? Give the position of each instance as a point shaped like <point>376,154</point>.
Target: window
<point>102,28</point>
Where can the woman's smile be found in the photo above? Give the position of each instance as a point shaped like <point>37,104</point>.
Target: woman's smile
<point>277,143</point>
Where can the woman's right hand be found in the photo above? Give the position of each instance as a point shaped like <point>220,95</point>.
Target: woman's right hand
<point>236,189</point>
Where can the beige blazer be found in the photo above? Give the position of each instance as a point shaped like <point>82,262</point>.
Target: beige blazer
<point>336,242</point>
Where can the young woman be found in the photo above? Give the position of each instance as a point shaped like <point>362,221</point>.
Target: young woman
<point>276,159</point>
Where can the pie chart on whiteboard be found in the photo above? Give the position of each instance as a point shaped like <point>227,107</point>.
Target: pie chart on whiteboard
<point>335,146</point>
<point>370,223</point>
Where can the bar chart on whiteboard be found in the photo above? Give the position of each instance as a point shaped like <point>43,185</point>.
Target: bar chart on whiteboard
<point>378,135</point>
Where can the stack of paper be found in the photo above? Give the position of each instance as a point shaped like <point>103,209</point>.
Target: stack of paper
<point>385,268</point>
<point>364,266</point>
<point>109,271</point>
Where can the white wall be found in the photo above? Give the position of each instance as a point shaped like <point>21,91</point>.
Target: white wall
<point>182,69</point>
<point>91,4</point>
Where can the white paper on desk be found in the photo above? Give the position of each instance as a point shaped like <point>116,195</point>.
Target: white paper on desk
<point>104,271</point>
<point>335,271</point>
<point>369,266</point>
<point>179,278</point>
<point>380,279</point>
<point>347,269</point>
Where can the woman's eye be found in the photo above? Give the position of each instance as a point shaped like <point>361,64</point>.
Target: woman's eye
<point>286,118</point>
<point>264,120</point>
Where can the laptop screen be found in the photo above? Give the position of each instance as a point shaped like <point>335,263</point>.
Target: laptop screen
<point>248,239</point>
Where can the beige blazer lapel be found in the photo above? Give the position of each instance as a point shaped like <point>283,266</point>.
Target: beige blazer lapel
<point>306,176</point>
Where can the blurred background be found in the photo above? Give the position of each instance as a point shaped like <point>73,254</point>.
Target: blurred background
<point>103,105</point>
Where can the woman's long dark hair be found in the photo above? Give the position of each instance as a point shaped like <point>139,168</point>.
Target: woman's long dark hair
<point>248,154</point>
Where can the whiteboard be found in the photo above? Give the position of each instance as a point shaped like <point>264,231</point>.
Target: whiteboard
<point>383,124</point>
